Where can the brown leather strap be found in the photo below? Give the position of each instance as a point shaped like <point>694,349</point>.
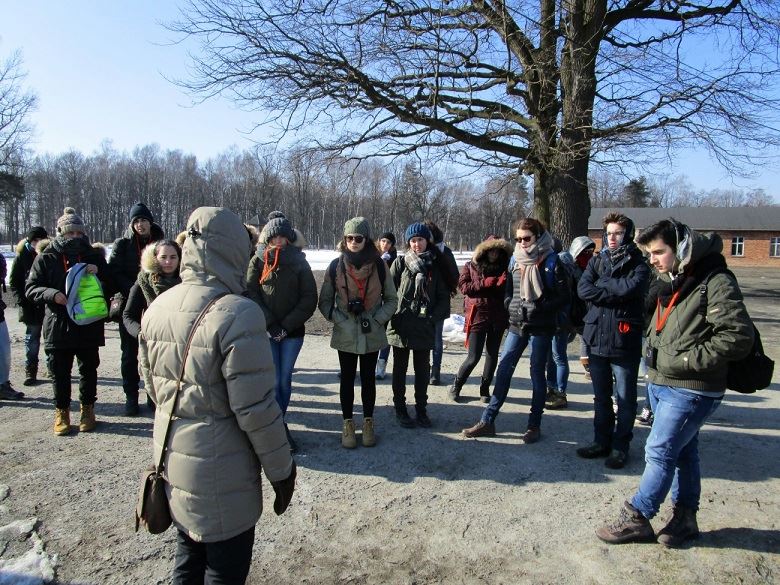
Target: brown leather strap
<point>198,319</point>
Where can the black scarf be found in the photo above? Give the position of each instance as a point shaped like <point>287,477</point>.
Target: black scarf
<point>364,256</point>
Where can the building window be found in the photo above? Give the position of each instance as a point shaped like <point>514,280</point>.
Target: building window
<point>738,246</point>
<point>774,247</point>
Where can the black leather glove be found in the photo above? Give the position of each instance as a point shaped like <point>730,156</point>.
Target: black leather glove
<point>284,491</point>
<point>277,332</point>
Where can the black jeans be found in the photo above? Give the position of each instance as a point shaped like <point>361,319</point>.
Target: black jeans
<point>130,376</point>
<point>348,363</point>
<point>61,361</point>
<point>477,341</point>
<point>214,563</point>
<point>422,372</point>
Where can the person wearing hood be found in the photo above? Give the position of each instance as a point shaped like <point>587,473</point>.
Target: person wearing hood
<point>358,298</point>
<point>31,314</point>
<point>482,282</point>
<point>280,281</point>
<point>574,261</point>
<point>536,292</point>
<point>159,271</point>
<point>614,285</point>
<point>63,338</point>
<point>226,426</point>
<point>125,263</point>
<point>423,300</point>
<point>451,274</point>
<point>689,350</point>
<point>388,253</point>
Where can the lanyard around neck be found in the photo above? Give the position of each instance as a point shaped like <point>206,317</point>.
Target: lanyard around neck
<point>660,320</point>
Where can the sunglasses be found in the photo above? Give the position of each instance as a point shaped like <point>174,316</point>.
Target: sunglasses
<point>356,239</point>
<point>525,239</point>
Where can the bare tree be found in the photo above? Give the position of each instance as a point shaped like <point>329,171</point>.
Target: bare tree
<point>539,86</point>
<point>16,105</point>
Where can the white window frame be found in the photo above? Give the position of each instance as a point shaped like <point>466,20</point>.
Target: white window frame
<point>774,247</point>
<point>738,246</point>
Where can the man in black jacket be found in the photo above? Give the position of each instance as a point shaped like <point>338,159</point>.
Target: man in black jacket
<point>31,314</point>
<point>614,286</point>
<point>64,339</point>
<point>124,263</point>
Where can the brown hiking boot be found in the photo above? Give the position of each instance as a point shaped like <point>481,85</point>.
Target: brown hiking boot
<point>368,436</point>
<point>531,435</point>
<point>682,526</point>
<point>481,429</point>
<point>348,440</point>
<point>61,421</point>
<point>631,526</point>
<point>88,422</point>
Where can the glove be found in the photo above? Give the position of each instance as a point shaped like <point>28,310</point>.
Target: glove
<point>277,332</point>
<point>284,491</point>
<point>501,280</point>
<point>489,281</point>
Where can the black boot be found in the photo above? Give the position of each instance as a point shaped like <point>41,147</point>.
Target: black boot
<point>131,403</point>
<point>402,416</point>
<point>31,375</point>
<point>435,376</point>
<point>422,417</point>
<point>484,390</point>
<point>454,391</point>
<point>681,527</point>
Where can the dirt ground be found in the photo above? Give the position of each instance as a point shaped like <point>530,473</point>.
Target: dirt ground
<point>423,506</point>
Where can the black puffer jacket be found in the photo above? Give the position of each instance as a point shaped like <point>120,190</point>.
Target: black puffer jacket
<point>539,317</point>
<point>616,303</point>
<point>30,313</point>
<point>125,260</point>
<point>47,278</point>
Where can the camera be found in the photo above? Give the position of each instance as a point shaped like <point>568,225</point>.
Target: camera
<point>355,306</point>
<point>365,326</point>
<point>651,356</point>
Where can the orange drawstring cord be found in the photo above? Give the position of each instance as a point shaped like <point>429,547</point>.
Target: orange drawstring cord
<point>267,270</point>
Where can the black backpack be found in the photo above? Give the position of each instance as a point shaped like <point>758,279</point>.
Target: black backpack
<point>754,371</point>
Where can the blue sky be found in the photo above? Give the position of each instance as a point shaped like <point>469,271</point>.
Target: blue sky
<point>99,70</point>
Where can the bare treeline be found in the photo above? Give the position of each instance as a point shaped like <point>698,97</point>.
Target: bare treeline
<point>317,193</point>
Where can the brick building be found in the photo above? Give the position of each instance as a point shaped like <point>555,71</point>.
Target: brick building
<point>751,235</point>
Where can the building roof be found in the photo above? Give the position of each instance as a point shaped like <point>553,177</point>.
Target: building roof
<point>764,219</point>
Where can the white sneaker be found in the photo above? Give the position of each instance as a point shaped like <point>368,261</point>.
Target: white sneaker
<point>381,365</point>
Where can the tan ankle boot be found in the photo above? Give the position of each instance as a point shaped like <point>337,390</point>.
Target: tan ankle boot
<point>88,422</point>
<point>61,421</point>
<point>369,438</point>
<point>348,440</point>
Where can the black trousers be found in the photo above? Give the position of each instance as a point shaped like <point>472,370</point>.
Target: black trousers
<point>61,361</point>
<point>348,363</point>
<point>422,371</point>
<point>213,563</point>
<point>477,341</point>
<point>130,375</point>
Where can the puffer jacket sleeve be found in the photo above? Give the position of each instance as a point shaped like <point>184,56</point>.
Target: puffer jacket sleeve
<point>17,279</point>
<point>117,262</point>
<point>143,361</point>
<point>307,300</point>
<point>247,368</point>
<point>134,309</point>
<point>327,303</point>
<point>470,282</point>
<point>37,287</point>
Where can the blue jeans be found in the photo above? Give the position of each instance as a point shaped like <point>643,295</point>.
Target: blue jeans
<point>438,346</point>
<point>384,353</point>
<point>513,348</point>
<point>32,344</point>
<point>5,353</point>
<point>284,353</point>
<point>611,431</point>
<point>558,363</point>
<point>672,449</point>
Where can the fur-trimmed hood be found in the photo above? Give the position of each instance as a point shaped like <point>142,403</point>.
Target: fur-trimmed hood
<point>46,242</point>
<point>483,248</point>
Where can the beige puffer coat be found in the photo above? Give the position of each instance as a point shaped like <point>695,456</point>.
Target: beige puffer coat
<point>227,422</point>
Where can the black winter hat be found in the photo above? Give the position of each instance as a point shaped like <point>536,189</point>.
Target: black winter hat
<point>142,211</point>
<point>279,226</point>
<point>390,236</point>
<point>37,233</point>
